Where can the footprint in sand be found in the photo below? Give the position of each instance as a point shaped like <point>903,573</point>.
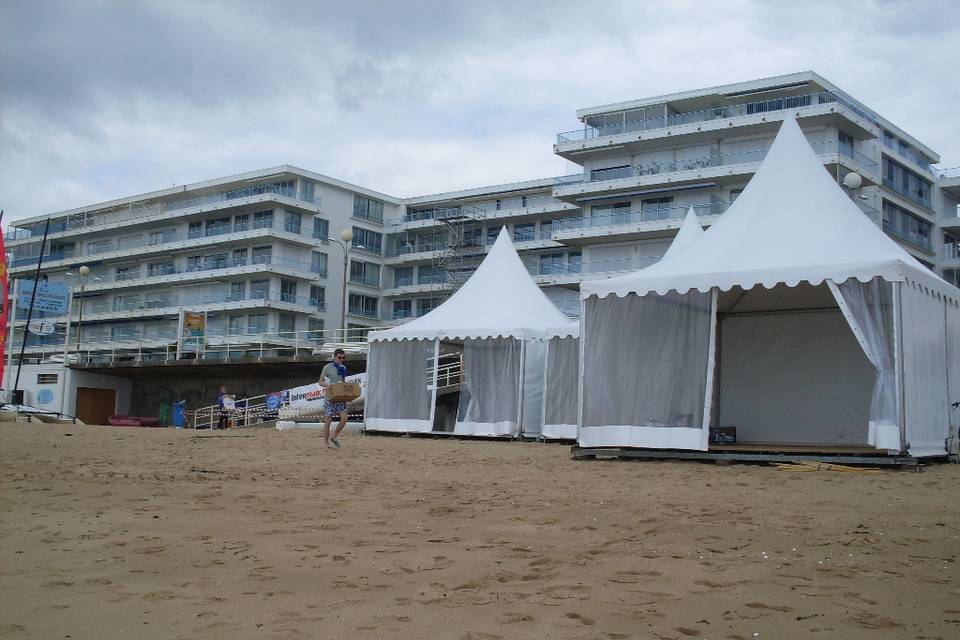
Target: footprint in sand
<point>513,617</point>
<point>581,619</point>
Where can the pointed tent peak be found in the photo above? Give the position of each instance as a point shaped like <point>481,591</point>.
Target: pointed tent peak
<point>500,299</point>
<point>689,231</point>
<point>792,222</point>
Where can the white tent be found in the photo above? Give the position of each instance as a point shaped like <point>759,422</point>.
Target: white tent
<point>501,317</point>
<point>562,379</point>
<point>849,341</point>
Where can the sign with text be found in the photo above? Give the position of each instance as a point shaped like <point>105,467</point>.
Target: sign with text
<point>51,297</point>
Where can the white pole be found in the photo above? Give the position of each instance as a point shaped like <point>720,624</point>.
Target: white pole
<point>898,361</point>
<point>711,368</point>
<point>66,354</point>
<point>546,371</point>
<point>583,335</point>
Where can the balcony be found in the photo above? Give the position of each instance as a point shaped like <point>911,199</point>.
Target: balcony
<point>921,197</point>
<point>951,251</point>
<point>701,163</point>
<point>362,312</point>
<point>913,237</point>
<point>94,221</point>
<point>637,217</point>
<point>720,113</point>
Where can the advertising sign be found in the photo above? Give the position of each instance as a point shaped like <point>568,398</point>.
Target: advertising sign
<point>193,328</point>
<point>41,327</point>
<point>51,297</point>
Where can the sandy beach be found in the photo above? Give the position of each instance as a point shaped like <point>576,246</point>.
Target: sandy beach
<point>159,533</point>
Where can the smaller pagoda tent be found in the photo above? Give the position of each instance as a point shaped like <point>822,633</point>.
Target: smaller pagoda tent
<point>498,321</point>
<point>562,362</point>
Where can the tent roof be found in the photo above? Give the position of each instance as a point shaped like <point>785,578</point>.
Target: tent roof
<point>792,223</point>
<point>499,300</point>
<point>569,330</point>
<point>689,231</point>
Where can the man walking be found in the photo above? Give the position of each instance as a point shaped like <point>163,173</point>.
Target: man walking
<point>332,373</point>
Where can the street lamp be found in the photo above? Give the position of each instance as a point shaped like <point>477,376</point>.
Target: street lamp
<point>347,236</point>
<point>84,271</point>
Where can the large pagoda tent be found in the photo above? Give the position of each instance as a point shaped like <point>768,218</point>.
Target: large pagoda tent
<point>849,340</point>
<point>562,379</point>
<point>500,317</point>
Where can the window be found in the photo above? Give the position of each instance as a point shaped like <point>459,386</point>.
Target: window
<point>906,183</point>
<point>238,291</point>
<point>218,226</point>
<point>287,325</point>
<point>195,230</point>
<point>155,269</point>
<point>366,240</point>
<point>361,305</point>
<point>315,329</point>
<point>426,305</point>
<point>472,237</point>
<point>574,262</point>
<point>259,289</point>
<point>499,204</point>
<point>403,276</point>
<point>262,255</point>
<point>288,290</point>
<point>241,222</point>
<point>321,229</point>
<point>905,225</point>
<point>318,297</point>
<point>239,257</point>
<point>235,325</point>
<point>292,221</point>
<point>262,219</point>
<point>845,143</point>
<point>194,263</point>
<point>318,264</point>
<point>524,232</point>
<point>307,190</point>
<point>257,323</point>
<point>125,332</point>
<point>365,273</point>
<point>131,272</point>
<point>161,237</point>
<point>367,208</point>
<point>127,303</point>
<point>215,261</point>
<point>656,208</point>
<point>427,274</point>
<point>523,202</point>
<point>158,299</point>
<point>615,213</point>
<point>492,233</point>
<point>402,309</point>
<point>551,263</point>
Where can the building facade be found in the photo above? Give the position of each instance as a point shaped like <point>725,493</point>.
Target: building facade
<point>257,252</point>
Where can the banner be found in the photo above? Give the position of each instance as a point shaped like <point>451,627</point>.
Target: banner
<point>193,330</point>
<point>51,297</point>
<point>41,327</point>
<point>4,304</point>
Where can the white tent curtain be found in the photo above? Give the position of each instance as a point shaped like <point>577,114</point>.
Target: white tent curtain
<point>868,309</point>
<point>924,332</point>
<point>399,386</point>
<point>534,356</point>
<point>644,370</point>
<point>560,394</point>
<point>953,361</point>
<point>490,392</point>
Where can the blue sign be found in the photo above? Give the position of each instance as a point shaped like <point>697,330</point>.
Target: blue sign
<point>45,396</point>
<point>274,400</point>
<point>52,297</point>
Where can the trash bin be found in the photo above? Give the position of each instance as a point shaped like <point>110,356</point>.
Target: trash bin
<point>164,414</point>
<point>180,414</point>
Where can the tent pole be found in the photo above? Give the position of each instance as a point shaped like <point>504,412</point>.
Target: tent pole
<point>711,362</point>
<point>583,335</point>
<point>898,361</point>
<point>436,381</point>
<point>523,371</point>
<point>546,371</point>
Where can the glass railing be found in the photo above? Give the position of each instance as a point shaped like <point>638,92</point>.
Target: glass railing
<point>360,311</point>
<point>905,234</point>
<point>635,217</point>
<point>949,172</point>
<point>185,301</point>
<point>922,198</point>
<point>950,212</point>
<point>951,251</point>
<point>402,282</point>
<point>719,113</point>
<point>651,168</point>
<point>365,280</point>
<point>400,314</point>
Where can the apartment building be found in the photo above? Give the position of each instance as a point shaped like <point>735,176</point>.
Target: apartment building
<point>258,252</point>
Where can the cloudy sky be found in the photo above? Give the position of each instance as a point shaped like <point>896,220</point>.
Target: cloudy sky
<point>102,99</point>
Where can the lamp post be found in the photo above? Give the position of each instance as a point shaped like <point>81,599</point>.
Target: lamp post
<point>84,271</point>
<point>346,236</point>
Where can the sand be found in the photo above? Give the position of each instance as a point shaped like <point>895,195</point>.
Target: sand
<point>158,533</point>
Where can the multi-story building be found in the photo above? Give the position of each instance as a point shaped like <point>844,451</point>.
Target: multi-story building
<point>252,252</point>
<point>260,254</point>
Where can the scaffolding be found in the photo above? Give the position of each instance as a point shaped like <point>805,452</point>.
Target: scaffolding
<point>461,254</point>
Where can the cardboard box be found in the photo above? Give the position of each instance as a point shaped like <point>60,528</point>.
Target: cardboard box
<point>343,392</point>
<point>723,435</point>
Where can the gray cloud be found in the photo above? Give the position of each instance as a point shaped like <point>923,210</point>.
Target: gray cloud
<point>102,99</point>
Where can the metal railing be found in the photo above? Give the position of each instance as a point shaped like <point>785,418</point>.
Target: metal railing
<point>247,412</point>
<point>651,168</point>
<point>635,217</point>
<point>921,198</point>
<point>948,172</point>
<point>718,113</point>
<point>910,236</point>
<point>951,251</point>
<point>136,212</point>
<point>448,368</point>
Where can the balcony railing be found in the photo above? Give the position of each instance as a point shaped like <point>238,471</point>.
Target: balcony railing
<point>951,251</point>
<point>138,212</point>
<point>910,236</point>
<point>719,113</point>
<point>155,242</point>
<point>652,168</point>
<point>360,311</point>
<point>365,280</point>
<point>949,172</point>
<point>922,198</point>
<point>635,217</point>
